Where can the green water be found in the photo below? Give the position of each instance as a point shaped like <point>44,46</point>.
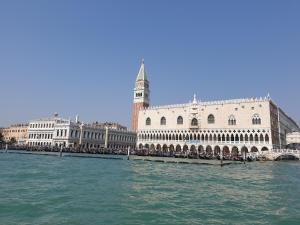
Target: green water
<point>40,189</point>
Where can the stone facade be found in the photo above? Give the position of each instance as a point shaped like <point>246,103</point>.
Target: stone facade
<point>234,126</point>
<point>56,131</point>
<point>293,138</point>
<point>17,131</point>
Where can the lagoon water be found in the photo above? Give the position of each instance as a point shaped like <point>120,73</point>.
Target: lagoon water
<point>40,189</point>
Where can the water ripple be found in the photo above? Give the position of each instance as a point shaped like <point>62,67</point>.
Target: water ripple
<point>51,190</point>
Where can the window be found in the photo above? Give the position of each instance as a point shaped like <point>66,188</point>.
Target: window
<point>148,121</point>
<point>231,120</point>
<point>194,122</point>
<point>163,121</point>
<point>256,119</point>
<point>211,119</point>
<point>179,120</point>
<point>138,95</point>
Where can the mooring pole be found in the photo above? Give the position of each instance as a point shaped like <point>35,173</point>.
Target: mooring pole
<point>128,153</point>
<point>221,156</point>
<point>60,152</point>
<point>244,157</point>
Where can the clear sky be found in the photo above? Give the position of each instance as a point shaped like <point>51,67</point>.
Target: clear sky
<point>82,57</point>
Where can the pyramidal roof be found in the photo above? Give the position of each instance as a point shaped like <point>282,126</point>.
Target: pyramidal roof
<point>142,72</point>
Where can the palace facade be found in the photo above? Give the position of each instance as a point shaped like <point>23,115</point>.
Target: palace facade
<point>234,126</point>
<point>56,131</point>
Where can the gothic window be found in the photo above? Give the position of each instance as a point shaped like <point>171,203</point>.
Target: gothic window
<point>211,119</point>
<point>148,121</point>
<point>179,120</point>
<point>256,119</point>
<point>231,120</point>
<point>194,122</point>
<point>163,121</point>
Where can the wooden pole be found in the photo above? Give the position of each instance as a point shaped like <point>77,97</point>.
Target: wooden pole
<point>221,156</point>
<point>128,153</point>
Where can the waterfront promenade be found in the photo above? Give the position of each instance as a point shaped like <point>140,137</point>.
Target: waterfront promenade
<point>270,155</point>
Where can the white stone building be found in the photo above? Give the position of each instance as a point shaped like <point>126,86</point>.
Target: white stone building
<point>293,138</point>
<point>234,126</point>
<point>56,131</point>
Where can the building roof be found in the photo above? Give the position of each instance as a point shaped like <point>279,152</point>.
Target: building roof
<point>142,72</point>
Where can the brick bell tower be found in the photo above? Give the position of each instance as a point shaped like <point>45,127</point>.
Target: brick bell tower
<point>141,95</point>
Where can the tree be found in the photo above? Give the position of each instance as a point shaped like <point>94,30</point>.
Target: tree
<point>12,141</point>
<point>1,138</point>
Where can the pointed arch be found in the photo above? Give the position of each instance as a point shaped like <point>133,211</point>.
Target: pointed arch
<point>200,149</point>
<point>185,148</point>
<point>241,138</point>
<point>180,137</point>
<point>171,149</point>
<point>194,122</point>
<point>223,138</point>
<point>256,120</point>
<point>148,121</point>
<point>211,119</point>
<point>231,120</point>
<point>261,138</point>
<point>208,150</point>
<point>158,147</point>
<point>202,137</point>
<point>226,150</point>
<point>217,150</point>
<point>234,151</point>
<point>178,148</point>
<point>236,139</point>
<point>152,147</point>
<point>232,138</point>
<point>163,121</point>
<point>227,138</point>
<point>267,138</point>
<point>165,148</point>
<point>251,138</point>
<point>179,120</point>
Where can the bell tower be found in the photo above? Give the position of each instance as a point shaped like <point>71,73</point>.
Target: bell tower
<point>141,95</point>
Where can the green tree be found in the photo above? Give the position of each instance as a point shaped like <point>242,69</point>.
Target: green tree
<point>12,141</point>
<point>1,138</point>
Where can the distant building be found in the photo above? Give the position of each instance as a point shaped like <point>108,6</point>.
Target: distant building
<point>17,131</point>
<point>293,137</point>
<point>234,126</point>
<point>110,125</point>
<point>56,131</point>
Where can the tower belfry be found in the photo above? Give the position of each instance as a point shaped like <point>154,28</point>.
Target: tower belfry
<point>141,95</point>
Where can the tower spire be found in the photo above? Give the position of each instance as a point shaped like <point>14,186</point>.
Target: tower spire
<point>142,72</point>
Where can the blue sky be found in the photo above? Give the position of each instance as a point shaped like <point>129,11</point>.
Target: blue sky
<point>82,57</point>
